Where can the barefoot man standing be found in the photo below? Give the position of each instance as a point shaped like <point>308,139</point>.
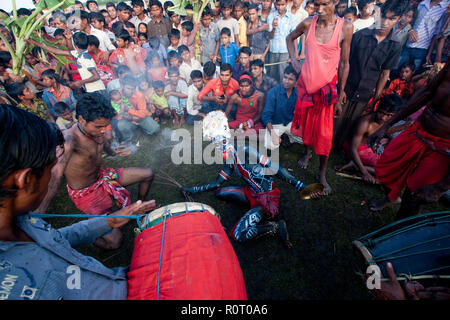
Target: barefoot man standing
<point>326,64</point>
<point>92,188</point>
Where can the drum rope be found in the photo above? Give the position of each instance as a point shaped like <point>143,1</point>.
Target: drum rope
<point>161,252</point>
<point>408,255</point>
<point>412,246</point>
<point>368,236</point>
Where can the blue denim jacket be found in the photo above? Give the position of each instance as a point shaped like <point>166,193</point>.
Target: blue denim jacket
<point>50,267</point>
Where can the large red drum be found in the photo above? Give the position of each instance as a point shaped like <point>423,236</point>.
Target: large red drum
<point>183,253</point>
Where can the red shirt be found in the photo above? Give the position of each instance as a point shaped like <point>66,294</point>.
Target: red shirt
<point>215,85</point>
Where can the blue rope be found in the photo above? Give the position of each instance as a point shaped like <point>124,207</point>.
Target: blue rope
<point>50,215</point>
<point>160,254</point>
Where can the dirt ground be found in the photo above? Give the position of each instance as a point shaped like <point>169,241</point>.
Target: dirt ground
<point>320,266</point>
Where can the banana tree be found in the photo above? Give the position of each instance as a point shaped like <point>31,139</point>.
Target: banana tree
<point>198,6</point>
<point>27,27</point>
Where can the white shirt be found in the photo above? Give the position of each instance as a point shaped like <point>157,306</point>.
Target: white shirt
<point>105,42</point>
<point>299,15</point>
<point>230,23</point>
<point>362,24</point>
<point>136,21</point>
<point>185,69</point>
<point>85,63</point>
<point>193,104</point>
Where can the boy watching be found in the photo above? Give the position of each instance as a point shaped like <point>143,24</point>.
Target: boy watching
<point>209,71</point>
<point>175,93</point>
<point>209,37</point>
<point>174,38</point>
<point>65,117</point>
<point>159,105</point>
<point>194,105</point>
<point>228,51</point>
<point>229,22</point>
<point>188,35</point>
<point>238,11</point>
<point>174,59</point>
<point>188,64</point>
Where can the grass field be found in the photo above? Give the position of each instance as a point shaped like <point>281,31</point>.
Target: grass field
<point>320,266</point>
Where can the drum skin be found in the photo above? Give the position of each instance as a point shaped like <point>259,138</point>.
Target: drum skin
<point>198,261</point>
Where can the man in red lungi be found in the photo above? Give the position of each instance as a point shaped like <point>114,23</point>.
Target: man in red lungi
<point>419,158</point>
<point>326,64</point>
<point>94,190</point>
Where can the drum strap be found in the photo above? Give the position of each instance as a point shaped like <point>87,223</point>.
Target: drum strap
<point>164,217</point>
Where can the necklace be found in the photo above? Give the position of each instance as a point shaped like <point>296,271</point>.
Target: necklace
<point>86,134</point>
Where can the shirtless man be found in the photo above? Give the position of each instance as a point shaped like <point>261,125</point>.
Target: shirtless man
<point>363,157</point>
<point>323,74</point>
<point>90,187</point>
<point>419,157</point>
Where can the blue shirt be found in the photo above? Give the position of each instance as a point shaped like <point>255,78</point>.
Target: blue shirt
<point>229,54</point>
<point>286,24</point>
<point>279,108</point>
<point>50,268</point>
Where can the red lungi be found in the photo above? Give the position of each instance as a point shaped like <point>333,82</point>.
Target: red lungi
<point>96,199</point>
<point>409,160</point>
<point>313,116</point>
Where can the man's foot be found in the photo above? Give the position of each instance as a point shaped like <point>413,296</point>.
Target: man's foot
<point>110,241</point>
<point>281,230</point>
<point>378,205</point>
<point>303,162</point>
<point>327,190</point>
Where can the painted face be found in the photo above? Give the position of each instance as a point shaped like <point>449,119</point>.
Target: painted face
<point>245,88</point>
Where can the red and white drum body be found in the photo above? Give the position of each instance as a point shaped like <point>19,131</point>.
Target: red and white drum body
<point>184,255</point>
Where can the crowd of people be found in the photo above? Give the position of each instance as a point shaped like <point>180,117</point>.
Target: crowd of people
<point>368,79</point>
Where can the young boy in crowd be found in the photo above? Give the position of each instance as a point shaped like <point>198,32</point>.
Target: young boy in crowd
<point>194,105</point>
<point>366,15</point>
<point>209,71</point>
<point>227,21</point>
<point>175,20</point>
<point>154,45</point>
<point>238,12</point>
<point>105,72</point>
<point>188,35</point>
<point>142,39</point>
<point>65,118</point>
<point>132,31</point>
<point>228,51</point>
<point>189,63</point>
<point>403,86</point>
<point>209,37</point>
<point>351,14</point>
<point>174,38</point>
<point>174,59</point>
<point>175,93</point>
<point>159,105</point>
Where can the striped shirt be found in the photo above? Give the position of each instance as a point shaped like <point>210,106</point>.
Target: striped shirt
<point>285,25</point>
<point>427,23</point>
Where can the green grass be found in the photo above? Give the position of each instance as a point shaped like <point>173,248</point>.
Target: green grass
<point>321,264</point>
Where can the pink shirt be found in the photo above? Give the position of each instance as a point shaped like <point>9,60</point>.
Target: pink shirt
<point>322,60</point>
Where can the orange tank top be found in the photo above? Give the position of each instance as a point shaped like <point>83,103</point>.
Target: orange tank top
<point>322,60</point>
